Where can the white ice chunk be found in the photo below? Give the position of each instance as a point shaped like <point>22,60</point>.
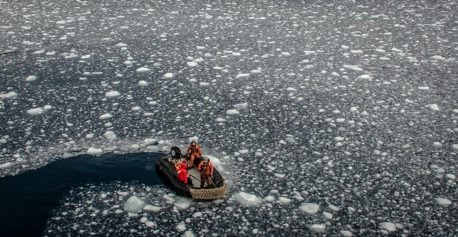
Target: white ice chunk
<point>6,165</point>
<point>443,201</point>
<point>168,75</point>
<point>8,95</point>
<point>150,224</point>
<point>105,116</point>
<point>388,226</point>
<point>220,120</point>
<point>31,78</point>
<point>353,67</point>
<point>94,151</point>
<point>365,77</point>
<point>423,87</point>
<point>247,199</point>
<point>143,69</point>
<point>183,203</point>
<point>241,106</point>
<point>134,204</point>
<point>47,107</point>
<point>111,94</point>
<point>35,111</point>
<point>310,208</point>
<point>434,107</point>
<point>284,200</point>
<point>346,233</point>
<point>110,135</point>
<point>242,75</point>
<point>192,64</point>
<point>232,112</point>
<point>188,233</point>
<point>143,83</point>
<point>152,208</point>
<point>320,228</point>
<point>181,227</point>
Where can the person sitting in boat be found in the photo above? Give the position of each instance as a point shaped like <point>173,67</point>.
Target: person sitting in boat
<point>193,152</point>
<point>206,172</point>
<point>182,170</point>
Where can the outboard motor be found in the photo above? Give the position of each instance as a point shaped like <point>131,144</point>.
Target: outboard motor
<point>175,152</point>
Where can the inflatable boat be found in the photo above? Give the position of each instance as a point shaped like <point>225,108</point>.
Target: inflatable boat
<point>168,173</point>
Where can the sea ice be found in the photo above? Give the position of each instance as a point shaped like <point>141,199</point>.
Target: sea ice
<point>434,107</point>
<point>320,228</point>
<point>388,226</point>
<point>105,116</point>
<point>443,201</point>
<point>35,111</point>
<point>134,204</point>
<point>110,135</point>
<point>346,233</point>
<point>310,208</point>
<point>94,151</point>
<point>168,75</point>
<point>143,83</point>
<point>152,208</point>
<point>191,64</point>
<point>111,94</point>
<point>181,227</point>
<point>232,112</point>
<point>8,95</point>
<point>31,78</point>
<point>143,69</point>
<point>247,199</point>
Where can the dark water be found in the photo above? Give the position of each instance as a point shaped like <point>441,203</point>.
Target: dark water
<point>28,199</point>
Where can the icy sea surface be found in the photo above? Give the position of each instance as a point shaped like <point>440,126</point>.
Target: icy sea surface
<point>325,117</point>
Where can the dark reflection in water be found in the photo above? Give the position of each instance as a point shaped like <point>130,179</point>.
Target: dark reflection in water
<point>26,200</point>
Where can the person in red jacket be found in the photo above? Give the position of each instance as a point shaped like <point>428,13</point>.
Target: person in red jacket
<point>206,172</point>
<point>193,152</point>
<point>182,171</point>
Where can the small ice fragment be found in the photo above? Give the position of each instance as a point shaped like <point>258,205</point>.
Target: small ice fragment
<point>142,69</point>
<point>181,227</point>
<point>242,75</point>
<point>35,111</point>
<point>346,233</point>
<point>247,199</point>
<point>183,203</point>
<point>220,120</point>
<point>94,151</point>
<point>310,208</point>
<point>110,135</point>
<point>434,107</point>
<point>232,112</point>
<point>191,64</point>
<point>143,83</point>
<point>105,116</point>
<point>134,204</point>
<point>6,165</point>
<point>388,226</point>
<point>168,75</point>
<point>320,228</point>
<point>8,95</point>
<point>31,78</point>
<point>111,94</point>
<point>443,201</point>
<point>152,208</point>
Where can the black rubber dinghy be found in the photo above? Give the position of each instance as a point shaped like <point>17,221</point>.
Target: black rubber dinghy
<point>166,170</point>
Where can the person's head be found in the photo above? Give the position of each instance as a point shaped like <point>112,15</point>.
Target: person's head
<point>193,143</point>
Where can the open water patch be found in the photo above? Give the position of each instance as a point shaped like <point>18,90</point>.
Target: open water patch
<point>28,199</point>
